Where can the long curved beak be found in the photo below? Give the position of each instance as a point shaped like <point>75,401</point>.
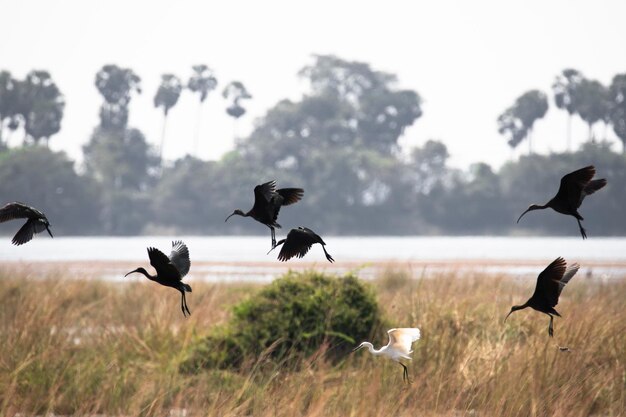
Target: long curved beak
<point>49,232</point>
<point>229,217</point>
<point>527,210</point>
<point>134,270</point>
<point>507,316</point>
<point>268,252</point>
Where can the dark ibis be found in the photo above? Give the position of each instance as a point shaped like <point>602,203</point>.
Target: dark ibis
<point>550,283</point>
<point>575,186</point>
<point>170,271</point>
<point>298,243</point>
<point>267,203</point>
<point>36,223</point>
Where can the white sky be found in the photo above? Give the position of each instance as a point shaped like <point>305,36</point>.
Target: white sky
<point>469,60</point>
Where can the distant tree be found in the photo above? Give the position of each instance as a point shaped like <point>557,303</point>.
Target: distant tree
<point>116,86</point>
<point>8,105</point>
<point>120,159</point>
<point>202,82</point>
<point>564,87</point>
<point>617,95</point>
<point>235,91</point>
<point>518,120</point>
<point>592,103</point>
<point>48,180</point>
<point>378,112</point>
<point>39,105</point>
<point>166,97</point>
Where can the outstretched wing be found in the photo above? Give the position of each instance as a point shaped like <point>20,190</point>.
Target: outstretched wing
<point>298,243</point>
<point>290,195</point>
<point>25,233</point>
<point>573,185</point>
<point>401,339</point>
<point>569,273</point>
<point>15,210</point>
<point>180,257</point>
<point>264,191</point>
<point>548,282</point>
<point>159,261</point>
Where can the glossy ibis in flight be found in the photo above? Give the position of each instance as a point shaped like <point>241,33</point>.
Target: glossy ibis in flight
<point>575,186</point>
<point>170,270</point>
<point>37,221</point>
<point>298,243</point>
<point>267,203</point>
<point>550,283</point>
<point>399,347</point>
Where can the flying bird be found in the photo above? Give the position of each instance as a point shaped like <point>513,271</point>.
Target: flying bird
<point>399,347</point>
<point>36,223</point>
<point>267,203</point>
<point>170,271</point>
<point>550,283</point>
<point>575,186</point>
<point>298,243</point>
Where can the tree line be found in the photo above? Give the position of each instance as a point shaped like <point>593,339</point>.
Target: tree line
<point>592,101</point>
<point>339,142</point>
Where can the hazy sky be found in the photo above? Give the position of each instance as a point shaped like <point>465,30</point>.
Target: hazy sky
<point>469,60</point>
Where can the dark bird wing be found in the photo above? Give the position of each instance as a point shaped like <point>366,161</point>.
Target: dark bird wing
<point>180,257</point>
<point>298,243</point>
<point>26,232</point>
<point>159,261</point>
<point>264,192</point>
<point>549,284</point>
<point>17,210</point>
<point>569,273</point>
<point>573,186</point>
<point>290,195</point>
<point>594,186</point>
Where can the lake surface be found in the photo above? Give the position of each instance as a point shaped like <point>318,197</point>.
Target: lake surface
<point>244,257</point>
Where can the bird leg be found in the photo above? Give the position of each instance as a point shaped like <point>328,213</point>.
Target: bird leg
<point>182,302</point>
<point>582,230</point>
<point>330,258</point>
<point>550,327</point>
<point>185,302</point>
<point>405,373</point>
<point>273,234</point>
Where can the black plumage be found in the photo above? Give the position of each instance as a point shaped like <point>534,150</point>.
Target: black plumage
<point>298,243</point>
<point>36,223</point>
<point>267,203</point>
<point>170,270</point>
<point>575,186</point>
<point>550,283</point>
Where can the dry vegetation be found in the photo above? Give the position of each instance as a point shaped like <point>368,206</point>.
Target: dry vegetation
<point>91,347</point>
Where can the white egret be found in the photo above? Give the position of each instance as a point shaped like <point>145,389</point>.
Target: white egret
<point>399,347</point>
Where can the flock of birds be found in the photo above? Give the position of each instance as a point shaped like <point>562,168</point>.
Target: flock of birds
<point>268,200</point>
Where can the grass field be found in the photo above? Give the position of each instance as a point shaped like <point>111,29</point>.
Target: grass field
<point>80,346</point>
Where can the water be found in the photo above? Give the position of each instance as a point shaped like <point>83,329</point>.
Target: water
<point>227,258</point>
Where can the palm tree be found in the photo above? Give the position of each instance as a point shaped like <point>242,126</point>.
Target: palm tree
<point>564,87</point>
<point>166,97</point>
<point>592,103</point>
<point>202,81</point>
<point>235,91</point>
<point>519,119</point>
<point>618,107</point>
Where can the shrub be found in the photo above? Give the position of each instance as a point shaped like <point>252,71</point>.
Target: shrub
<point>293,317</point>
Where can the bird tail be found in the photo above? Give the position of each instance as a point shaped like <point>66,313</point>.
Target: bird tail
<point>187,287</point>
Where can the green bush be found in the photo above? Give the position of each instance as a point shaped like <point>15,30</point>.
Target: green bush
<point>293,317</point>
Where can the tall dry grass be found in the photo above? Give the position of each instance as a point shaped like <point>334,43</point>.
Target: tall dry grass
<point>72,346</point>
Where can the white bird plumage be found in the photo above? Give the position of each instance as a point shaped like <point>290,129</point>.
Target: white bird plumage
<point>399,346</point>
